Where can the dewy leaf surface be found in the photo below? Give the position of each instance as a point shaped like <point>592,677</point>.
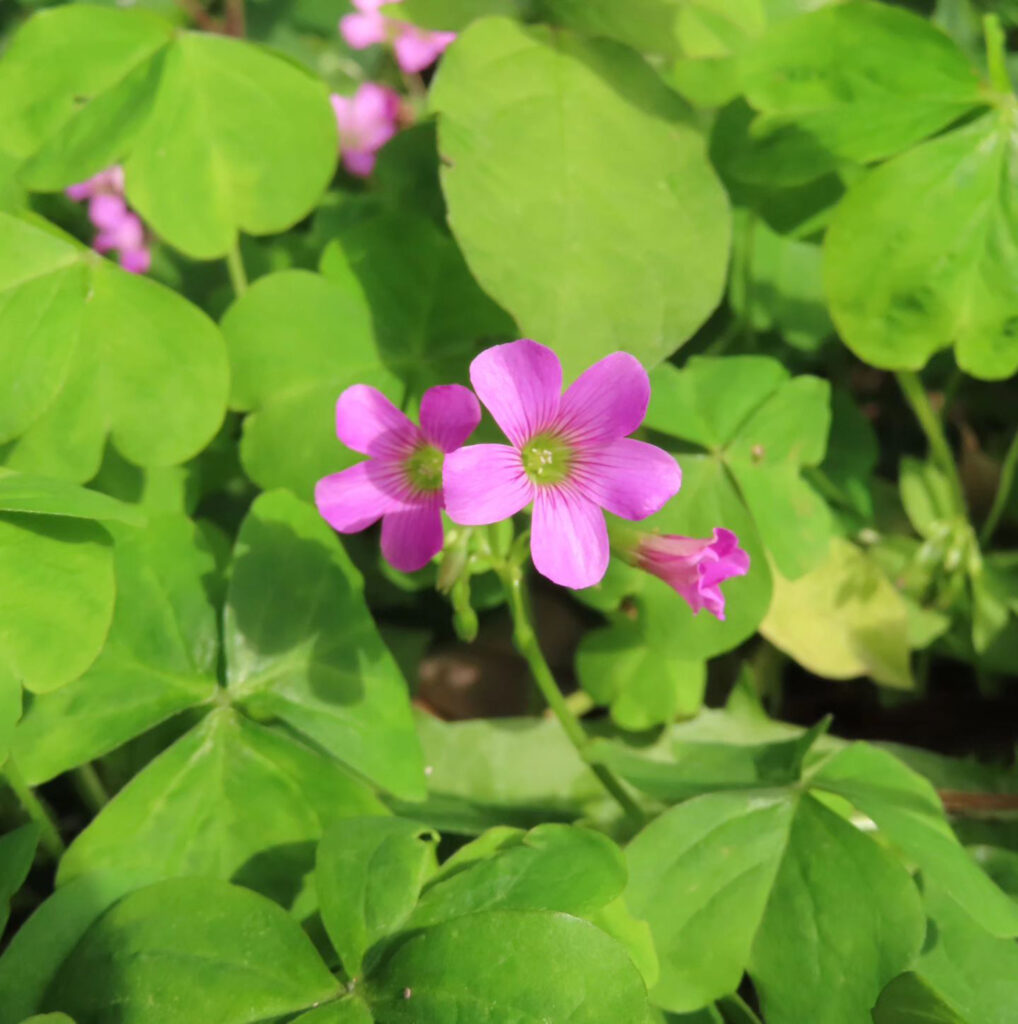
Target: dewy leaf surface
<point>160,657</point>
<point>230,798</point>
<point>309,653</point>
<point>508,967</point>
<point>633,236</point>
<point>191,949</point>
<point>91,352</point>
<point>215,135</point>
<point>296,341</point>
<point>903,284</point>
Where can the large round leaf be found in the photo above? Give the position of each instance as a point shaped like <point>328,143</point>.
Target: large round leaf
<point>215,134</point>
<point>583,201</point>
<point>88,351</point>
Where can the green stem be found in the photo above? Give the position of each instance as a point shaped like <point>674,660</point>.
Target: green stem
<point>915,394</point>
<point>1004,486</point>
<point>526,643</point>
<point>235,268</point>
<point>996,53</point>
<point>49,834</point>
<point>736,1010</point>
<point>90,787</point>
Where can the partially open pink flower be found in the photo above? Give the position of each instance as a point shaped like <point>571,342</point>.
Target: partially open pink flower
<point>415,48</point>
<point>118,228</point>
<point>366,121</point>
<point>694,568</point>
<point>570,456</point>
<point>401,482</point>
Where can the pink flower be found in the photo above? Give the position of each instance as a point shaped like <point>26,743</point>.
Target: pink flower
<point>401,482</point>
<point>118,228</point>
<point>694,568</point>
<point>366,121</point>
<point>570,456</point>
<point>415,48</point>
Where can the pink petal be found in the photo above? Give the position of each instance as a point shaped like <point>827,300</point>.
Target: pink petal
<point>363,29</point>
<point>417,49</point>
<point>412,537</point>
<point>631,479</point>
<point>369,423</point>
<point>127,233</point>
<point>520,383</point>
<point>81,191</point>
<point>359,163</point>
<point>607,401</point>
<point>359,496</point>
<point>106,211</point>
<point>485,483</point>
<point>569,539</point>
<point>449,415</point>
<point>136,261</point>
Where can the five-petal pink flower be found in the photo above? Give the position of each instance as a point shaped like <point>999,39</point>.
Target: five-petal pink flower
<point>694,568</point>
<point>415,48</point>
<point>570,455</point>
<point>401,482</point>
<point>366,121</point>
<point>119,228</point>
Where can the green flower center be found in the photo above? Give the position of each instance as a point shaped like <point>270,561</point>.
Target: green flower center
<point>424,468</point>
<point>547,459</point>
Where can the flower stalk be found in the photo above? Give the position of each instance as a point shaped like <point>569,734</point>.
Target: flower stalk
<point>525,639</point>
<point>37,811</point>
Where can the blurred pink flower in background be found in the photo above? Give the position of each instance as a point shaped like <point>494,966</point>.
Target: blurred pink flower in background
<point>366,121</point>
<point>415,48</point>
<point>692,567</point>
<point>401,482</point>
<point>118,228</point>
<point>569,454</point>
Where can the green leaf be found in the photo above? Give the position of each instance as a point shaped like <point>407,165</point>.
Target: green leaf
<point>780,287</point>
<point>369,874</point>
<point>852,82</point>
<point>428,313</point>
<point>89,351</point>
<point>62,55</point>
<point>908,811</point>
<point>57,600</point>
<point>230,799</point>
<point>10,710</point>
<point>909,1000</point>
<point>515,771</point>
<point>827,866</point>
<point>700,875</point>
<point>160,657</point>
<point>650,26</point>
<point>49,1018</point>
<point>24,492</point>
<point>451,15</point>
<point>643,686</point>
<point>903,285</point>
<point>503,966</point>
<point>926,496</point>
<point>843,619</point>
<point>677,768</point>
<point>215,135</point>
<point>772,883</point>
<point>191,949</point>
<point>971,972</point>
<point>764,426</point>
<point>41,945</point>
<point>552,867</point>
<point>296,340</point>
<point>308,652</point>
<point>17,851</point>
<point>524,115</point>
